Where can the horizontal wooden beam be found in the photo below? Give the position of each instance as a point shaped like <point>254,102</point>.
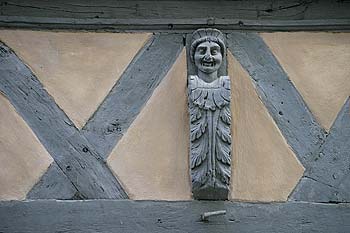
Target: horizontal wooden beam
<point>172,25</point>
<point>177,9</point>
<point>159,216</point>
<point>176,15</point>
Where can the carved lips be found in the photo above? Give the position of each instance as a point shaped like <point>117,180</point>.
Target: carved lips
<point>208,64</point>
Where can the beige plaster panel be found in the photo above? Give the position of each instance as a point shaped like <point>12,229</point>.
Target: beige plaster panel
<point>23,159</point>
<point>77,68</point>
<point>319,66</point>
<point>264,168</point>
<point>151,160</point>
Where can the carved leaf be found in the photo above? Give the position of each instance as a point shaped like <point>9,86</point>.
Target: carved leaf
<point>209,102</point>
<point>219,100</point>
<point>198,127</point>
<point>223,131</point>
<point>223,146</point>
<point>223,151</point>
<point>223,174</point>
<point>195,113</point>
<point>200,176</point>
<point>210,120</point>
<point>199,158</point>
<point>225,115</point>
<point>199,149</point>
<point>195,94</point>
<point>198,96</point>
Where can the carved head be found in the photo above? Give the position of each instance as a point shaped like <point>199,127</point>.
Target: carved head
<point>207,49</point>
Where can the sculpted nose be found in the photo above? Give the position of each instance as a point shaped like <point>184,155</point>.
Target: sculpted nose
<point>207,56</point>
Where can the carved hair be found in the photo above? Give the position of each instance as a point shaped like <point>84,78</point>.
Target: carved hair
<point>207,34</point>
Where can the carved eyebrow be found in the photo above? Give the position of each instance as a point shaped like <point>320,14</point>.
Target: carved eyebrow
<point>216,47</point>
<point>202,47</point>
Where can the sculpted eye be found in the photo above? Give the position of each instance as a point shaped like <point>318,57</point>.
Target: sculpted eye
<point>202,50</point>
<point>214,51</point>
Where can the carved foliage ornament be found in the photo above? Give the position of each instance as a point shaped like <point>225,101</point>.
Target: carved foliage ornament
<point>210,117</point>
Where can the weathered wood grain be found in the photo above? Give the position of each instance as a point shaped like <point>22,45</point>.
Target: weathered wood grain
<point>172,25</point>
<point>178,9</point>
<point>286,106</point>
<point>149,216</point>
<point>132,91</point>
<point>327,180</point>
<point>54,184</point>
<point>176,15</point>
<point>73,154</point>
<point>332,160</point>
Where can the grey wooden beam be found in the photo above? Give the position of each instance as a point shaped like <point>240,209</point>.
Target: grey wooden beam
<point>176,15</point>
<point>151,216</point>
<point>131,92</point>
<point>286,106</point>
<point>73,154</point>
<point>54,184</point>
<point>172,25</point>
<point>332,160</point>
<point>327,179</point>
<point>106,9</point>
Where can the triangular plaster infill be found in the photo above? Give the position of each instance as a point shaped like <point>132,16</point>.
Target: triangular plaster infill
<point>23,159</point>
<point>151,159</point>
<point>318,65</point>
<point>264,168</point>
<point>78,69</point>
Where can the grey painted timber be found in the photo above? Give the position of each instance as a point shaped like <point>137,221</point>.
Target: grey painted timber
<point>131,92</point>
<point>286,106</point>
<point>149,216</point>
<point>253,9</point>
<point>54,184</point>
<point>73,154</point>
<point>172,25</point>
<point>328,179</point>
<point>176,15</point>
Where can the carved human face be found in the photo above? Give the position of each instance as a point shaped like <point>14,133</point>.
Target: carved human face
<point>208,57</point>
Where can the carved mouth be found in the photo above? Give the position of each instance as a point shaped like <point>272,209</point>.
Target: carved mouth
<point>208,63</point>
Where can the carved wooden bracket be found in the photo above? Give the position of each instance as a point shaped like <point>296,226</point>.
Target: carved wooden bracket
<point>210,117</point>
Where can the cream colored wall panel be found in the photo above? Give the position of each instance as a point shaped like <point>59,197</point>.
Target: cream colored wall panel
<point>77,68</point>
<point>319,66</point>
<point>264,168</point>
<point>151,160</point>
<point>23,159</point>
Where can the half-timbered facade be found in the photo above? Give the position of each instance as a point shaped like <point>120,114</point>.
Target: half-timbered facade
<point>95,129</point>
